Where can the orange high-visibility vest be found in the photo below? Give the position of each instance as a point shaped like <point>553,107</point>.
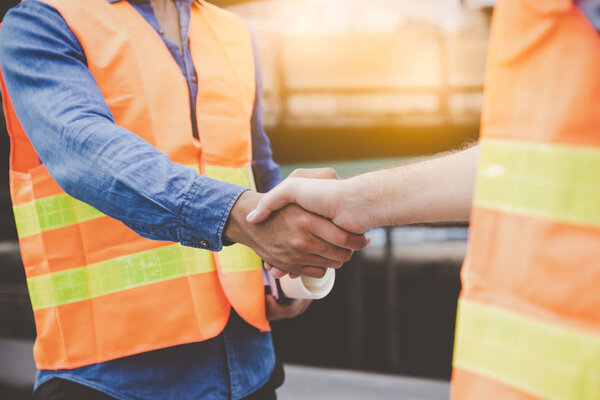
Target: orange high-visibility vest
<point>528,323</point>
<point>100,291</point>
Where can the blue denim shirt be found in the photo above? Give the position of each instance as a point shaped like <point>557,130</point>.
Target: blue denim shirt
<point>591,9</point>
<point>69,123</point>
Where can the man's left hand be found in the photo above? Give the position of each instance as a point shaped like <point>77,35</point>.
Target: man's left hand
<point>277,311</point>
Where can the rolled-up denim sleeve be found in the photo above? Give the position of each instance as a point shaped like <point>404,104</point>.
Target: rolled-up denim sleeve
<point>74,133</point>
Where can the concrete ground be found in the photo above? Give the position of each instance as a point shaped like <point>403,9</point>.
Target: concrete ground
<point>303,383</point>
<point>17,369</point>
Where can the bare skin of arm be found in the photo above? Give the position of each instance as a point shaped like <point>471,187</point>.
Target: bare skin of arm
<point>439,189</point>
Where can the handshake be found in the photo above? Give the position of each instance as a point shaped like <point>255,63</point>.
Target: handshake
<point>310,222</point>
<point>313,220</point>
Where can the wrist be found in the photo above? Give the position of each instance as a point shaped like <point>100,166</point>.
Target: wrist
<point>377,199</point>
<point>354,210</point>
<point>236,227</point>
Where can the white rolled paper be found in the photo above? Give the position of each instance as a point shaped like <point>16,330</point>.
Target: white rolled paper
<point>305,287</point>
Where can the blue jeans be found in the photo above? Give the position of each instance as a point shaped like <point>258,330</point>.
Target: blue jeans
<point>60,389</point>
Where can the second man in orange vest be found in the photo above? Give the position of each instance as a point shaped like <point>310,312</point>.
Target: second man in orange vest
<point>529,313</point>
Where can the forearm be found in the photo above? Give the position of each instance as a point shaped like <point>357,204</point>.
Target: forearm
<point>436,190</point>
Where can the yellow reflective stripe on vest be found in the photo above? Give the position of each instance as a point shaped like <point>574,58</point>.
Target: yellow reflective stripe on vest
<point>52,212</point>
<point>238,257</point>
<point>235,257</point>
<point>62,210</point>
<point>546,360</point>
<point>239,176</point>
<point>549,181</point>
<point>127,272</point>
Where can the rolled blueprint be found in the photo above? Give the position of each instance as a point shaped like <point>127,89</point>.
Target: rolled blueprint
<point>304,287</point>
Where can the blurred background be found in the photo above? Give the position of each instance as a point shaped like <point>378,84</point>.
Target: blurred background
<point>354,85</point>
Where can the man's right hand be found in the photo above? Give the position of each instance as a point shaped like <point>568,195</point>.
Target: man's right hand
<point>293,239</point>
<point>340,201</point>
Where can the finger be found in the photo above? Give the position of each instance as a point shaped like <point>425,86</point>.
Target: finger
<point>333,254</point>
<point>282,195</point>
<point>277,273</point>
<point>273,309</point>
<point>277,311</point>
<point>302,305</point>
<point>280,273</point>
<point>320,260</point>
<point>335,235</point>
<point>298,307</point>
<point>268,266</point>
<point>313,272</point>
<point>318,173</point>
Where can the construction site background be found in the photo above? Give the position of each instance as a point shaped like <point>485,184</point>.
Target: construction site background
<point>354,85</point>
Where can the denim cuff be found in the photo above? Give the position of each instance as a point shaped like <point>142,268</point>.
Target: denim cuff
<point>205,211</point>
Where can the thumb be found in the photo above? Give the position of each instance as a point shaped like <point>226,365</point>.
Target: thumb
<point>258,215</point>
<point>316,173</point>
<point>276,199</point>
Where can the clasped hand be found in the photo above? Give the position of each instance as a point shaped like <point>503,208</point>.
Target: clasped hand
<point>290,237</point>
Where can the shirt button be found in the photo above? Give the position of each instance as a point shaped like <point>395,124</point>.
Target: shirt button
<point>161,31</point>
<point>203,243</point>
<point>194,78</point>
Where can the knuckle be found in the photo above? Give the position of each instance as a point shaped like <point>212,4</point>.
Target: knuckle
<point>298,172</point>
<point>297,243</point>
<point>331,172</point>
<point>342,239</point>
<point>304,244</point>
<point>305,221</point>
